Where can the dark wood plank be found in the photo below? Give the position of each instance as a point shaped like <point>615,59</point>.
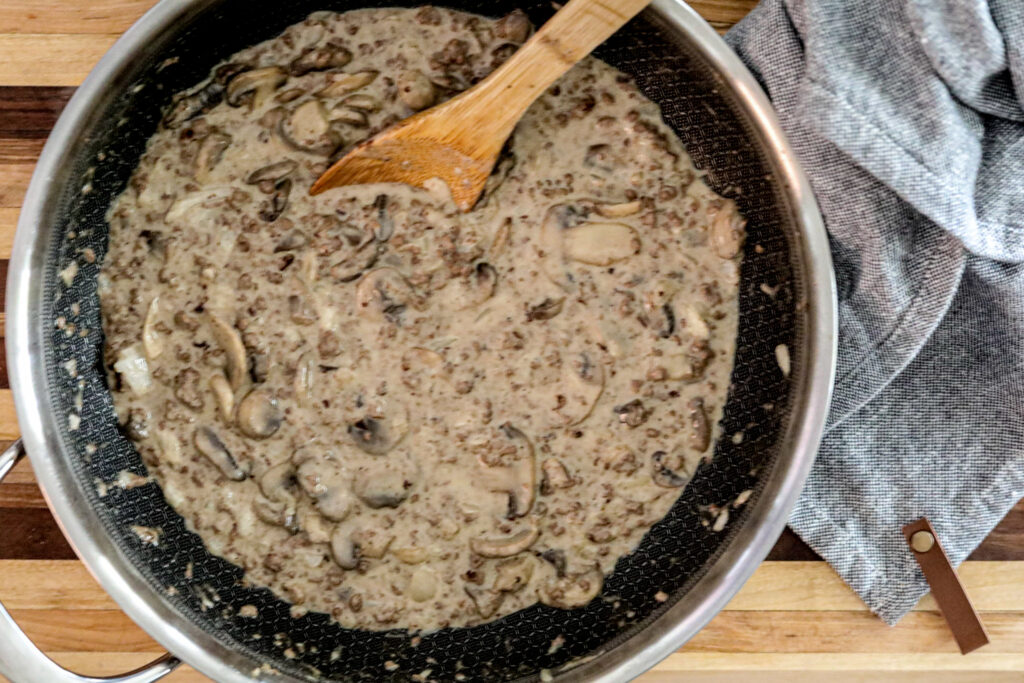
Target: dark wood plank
<point>30,112</point>
<point>31,534</point>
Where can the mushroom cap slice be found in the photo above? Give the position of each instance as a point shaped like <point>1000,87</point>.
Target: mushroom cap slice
<point>259,415</point>
<point>600,244</point>
<point>229,339</point>
<point>152,343</point>
<point>261,82</point>
<point>506,546</point>
<point>210,445</point>
<point>344,550</point>
<point>487,600</point>
<point>384,294</point>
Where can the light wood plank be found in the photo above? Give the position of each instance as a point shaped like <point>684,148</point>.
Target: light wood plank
<point>70,16</point>
<point>875,663</point>
<point>83,630</point>
<point>847,632</point>
<point>813,586</point>
<point>49,59</point>
<point>51,585</point>
<point>657,675</point>
<point>8,226</point>
<point>774,587</point>
<point>14,179</point>
<point>8,419</point>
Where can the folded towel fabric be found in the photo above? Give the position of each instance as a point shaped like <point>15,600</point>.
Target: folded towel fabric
<point>908,117</point>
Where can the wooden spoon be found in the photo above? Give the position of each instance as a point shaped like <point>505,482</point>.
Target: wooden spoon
<point>459,141</point>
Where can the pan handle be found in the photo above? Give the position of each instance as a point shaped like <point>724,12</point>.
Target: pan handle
<point>22,662</point>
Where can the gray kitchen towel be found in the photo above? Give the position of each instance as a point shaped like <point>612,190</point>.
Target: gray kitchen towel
<point>908,116</point>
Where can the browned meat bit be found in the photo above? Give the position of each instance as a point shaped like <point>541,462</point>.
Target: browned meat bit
<point>428,15</point>
<point>329,345</point>
<point>700,429</point>
<point>632,414</point>
<point>187,390</point>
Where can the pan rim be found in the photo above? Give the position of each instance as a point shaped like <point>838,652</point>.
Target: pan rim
<point>81,524</point>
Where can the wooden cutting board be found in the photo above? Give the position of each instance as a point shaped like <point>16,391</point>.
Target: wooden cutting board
<point>795,620</point>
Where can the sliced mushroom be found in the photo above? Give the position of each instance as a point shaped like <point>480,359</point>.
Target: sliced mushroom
<point>349,116</point>
<point>513,27</point>
<point>727,232</point>
<point>325,481</point>
<point>632,414</point>
<point>305,376</point>
<point>669,470</point>
<point>211,150</point>
<point>272,172</point>
<point>411,554</point>
<point>152,343</point>
<point>210,445</point>
<point>308,129</point>
<point>512,575</point>
<point>335,504</point>
<point>600,244</point>
<point>546,309</point>
<point>299,310</point>
<point>259,415</point>
<point>362,102</point>
<point>276,512</point>
<point>415,90</point>
<point>583,385</point>
<point>386,223</point>
<point>292,240</point>
<point>330,56</point>
<point>618,210</point>
<point>487,600</point>
<point>518,478</point>
<point>473,290</point>
<point>378,435</point>
<point>237,364</point>
<point>259,82</point>
<point>556,558</point>
<point>224,396</point>
<point>506,546</point>
<point>341,84</point>
<point>555,476</point>
<point>382,488</point>
<point>278,482</point>
<point>355,264</point>
<point>275,205</point>
<point>700,427</point>
<point>383,293</point>
<point>422,584</point>
<point>571,591</point>
<point>190,106</point>
<point>343,549</point>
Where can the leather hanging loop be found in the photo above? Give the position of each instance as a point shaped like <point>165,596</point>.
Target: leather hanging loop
<point>947,589</point>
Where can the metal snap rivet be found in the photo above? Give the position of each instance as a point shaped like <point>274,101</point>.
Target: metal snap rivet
<point>922,541</point>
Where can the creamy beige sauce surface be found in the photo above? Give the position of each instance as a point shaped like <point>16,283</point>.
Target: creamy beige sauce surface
<point>390,411</point>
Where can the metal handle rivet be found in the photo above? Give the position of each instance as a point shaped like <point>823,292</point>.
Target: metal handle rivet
<point>922,541</point>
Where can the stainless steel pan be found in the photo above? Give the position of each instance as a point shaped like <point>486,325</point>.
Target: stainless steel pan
<point>719,111</point>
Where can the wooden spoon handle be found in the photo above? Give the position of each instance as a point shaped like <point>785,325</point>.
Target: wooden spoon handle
<point>565,39</point>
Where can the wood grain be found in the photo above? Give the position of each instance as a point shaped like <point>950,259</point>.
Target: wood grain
<point>61,16</point>
<point>790,587</point>
<point>51,59</point>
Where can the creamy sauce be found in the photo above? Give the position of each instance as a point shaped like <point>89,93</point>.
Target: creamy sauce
<point>390,411</point>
